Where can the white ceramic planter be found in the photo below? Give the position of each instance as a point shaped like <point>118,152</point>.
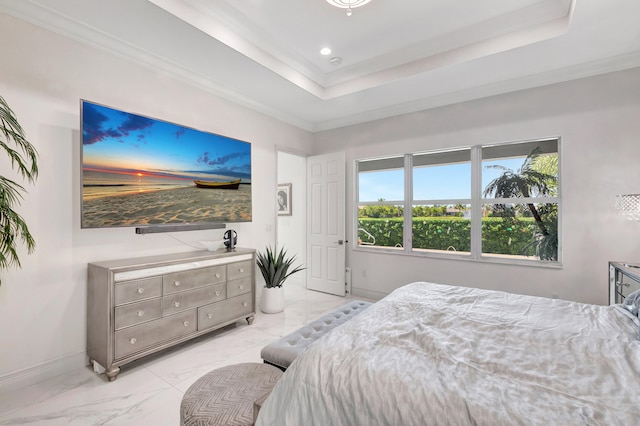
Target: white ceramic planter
<point>272,300</point>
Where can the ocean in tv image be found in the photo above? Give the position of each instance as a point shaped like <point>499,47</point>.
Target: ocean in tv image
<point>140,171</point>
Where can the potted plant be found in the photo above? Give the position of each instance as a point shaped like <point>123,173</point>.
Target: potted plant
<point>275,269</point>
<point>23,157</point>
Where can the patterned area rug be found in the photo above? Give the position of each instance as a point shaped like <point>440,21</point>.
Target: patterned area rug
<point>225,396</point>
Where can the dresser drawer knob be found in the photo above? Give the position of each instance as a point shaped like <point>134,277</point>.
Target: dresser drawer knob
<point>244,304</point>
<point>133,341</point>
<point>140,290</point>
<point>209,316</point>
<point>186,323</point>
<point>241,269</point>
<point>241,287</point>
<point>218,275</point>
<point>217,293</point>
<point>140,313</point>
<point>176,304</point>
<point>177,283</point>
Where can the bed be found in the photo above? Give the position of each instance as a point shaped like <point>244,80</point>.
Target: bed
<point>432,354</point>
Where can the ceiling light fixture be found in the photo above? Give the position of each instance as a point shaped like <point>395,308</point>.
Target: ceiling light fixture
<point>348,4</point>
<point>325,51</point>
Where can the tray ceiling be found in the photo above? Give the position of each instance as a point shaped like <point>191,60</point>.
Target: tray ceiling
<point>394,56</point>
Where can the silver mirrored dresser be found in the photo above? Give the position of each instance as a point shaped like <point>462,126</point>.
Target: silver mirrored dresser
<point>624,279</point>
<point>139,306</point>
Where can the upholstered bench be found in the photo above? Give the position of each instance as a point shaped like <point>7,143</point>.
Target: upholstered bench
<point>226,396</point>
<point>283,351</point>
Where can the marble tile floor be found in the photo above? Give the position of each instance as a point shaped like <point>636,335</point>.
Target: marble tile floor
<point>149,391</point>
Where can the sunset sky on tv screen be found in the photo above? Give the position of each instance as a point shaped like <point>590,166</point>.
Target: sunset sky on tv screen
<point>121,142</point>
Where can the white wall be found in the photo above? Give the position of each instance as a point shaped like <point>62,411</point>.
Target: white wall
<point>292,230</point>
<point>598,119</point>
<point>43,76</point>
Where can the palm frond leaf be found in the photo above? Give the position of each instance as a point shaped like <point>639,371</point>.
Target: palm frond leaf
<point>527,182</point>
<point>23,156</point>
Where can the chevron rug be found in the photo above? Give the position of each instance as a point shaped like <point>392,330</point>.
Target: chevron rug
<point>225,396</point>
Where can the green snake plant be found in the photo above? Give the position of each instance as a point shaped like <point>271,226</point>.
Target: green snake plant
<point>276,268</point>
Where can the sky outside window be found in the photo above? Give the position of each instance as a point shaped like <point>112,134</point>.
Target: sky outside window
<point>384,184</point>
<point>448,181</point>
<point>441,182</point>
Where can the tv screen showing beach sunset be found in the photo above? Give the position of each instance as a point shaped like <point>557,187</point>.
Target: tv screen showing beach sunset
<point>139,171</point>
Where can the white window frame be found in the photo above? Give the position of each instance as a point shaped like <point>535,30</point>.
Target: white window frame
<point>476,203</point>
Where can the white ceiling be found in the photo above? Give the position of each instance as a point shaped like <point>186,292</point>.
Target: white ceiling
<point>398,56</point>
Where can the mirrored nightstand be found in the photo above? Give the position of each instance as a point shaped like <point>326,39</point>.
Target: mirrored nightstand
<point>624,279</point>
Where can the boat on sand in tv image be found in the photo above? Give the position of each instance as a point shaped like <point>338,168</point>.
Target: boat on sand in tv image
<point>140,171</point>
<point>234,184</point>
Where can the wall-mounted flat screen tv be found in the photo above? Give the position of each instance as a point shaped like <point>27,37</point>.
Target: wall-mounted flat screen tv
<point>140,171</point>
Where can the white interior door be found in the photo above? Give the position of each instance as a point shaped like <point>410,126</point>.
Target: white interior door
<point>325,223</point>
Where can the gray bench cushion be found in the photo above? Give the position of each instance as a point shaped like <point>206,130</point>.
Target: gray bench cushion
<point>283,351</point>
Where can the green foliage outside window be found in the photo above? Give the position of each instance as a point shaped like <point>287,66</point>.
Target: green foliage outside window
<point>536,177</point>
<point>381,211</point>
<point>389,211</point>
<point>511,237</point>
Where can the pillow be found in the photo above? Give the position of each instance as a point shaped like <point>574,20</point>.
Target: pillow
<point>632,304</point>
<point>627,314</point>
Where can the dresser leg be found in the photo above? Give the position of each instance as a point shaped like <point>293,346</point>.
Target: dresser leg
<point>112,373</point>
<point>250,319</point>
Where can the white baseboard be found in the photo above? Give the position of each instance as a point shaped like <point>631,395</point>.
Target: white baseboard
<point>38,373</point>
<point>369,294</point>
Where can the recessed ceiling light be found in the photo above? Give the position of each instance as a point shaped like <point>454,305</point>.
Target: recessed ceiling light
<point>325,51</point>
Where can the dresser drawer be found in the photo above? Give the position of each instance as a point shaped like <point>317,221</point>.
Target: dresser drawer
<point>193,298</point>
<point>217,313</point>
<point>238,287</point>
<point>628,284</point>
<point>134,339</point>
<point>131,291</point>
<point>239,270</point>
<point>187,280</point>
<point>136,313</point>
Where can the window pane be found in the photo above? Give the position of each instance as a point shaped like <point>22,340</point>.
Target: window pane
<point>442,228</point>
<point>527,231</point>
<point>522,177</point>
<point>381,185</point>
<point>520,170</point>
<point>442,175</point>
<point>380,226</point>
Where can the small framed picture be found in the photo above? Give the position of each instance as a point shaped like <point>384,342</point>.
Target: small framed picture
<point>283,199</point>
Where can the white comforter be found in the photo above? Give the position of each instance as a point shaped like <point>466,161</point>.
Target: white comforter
<point>431,354</point>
